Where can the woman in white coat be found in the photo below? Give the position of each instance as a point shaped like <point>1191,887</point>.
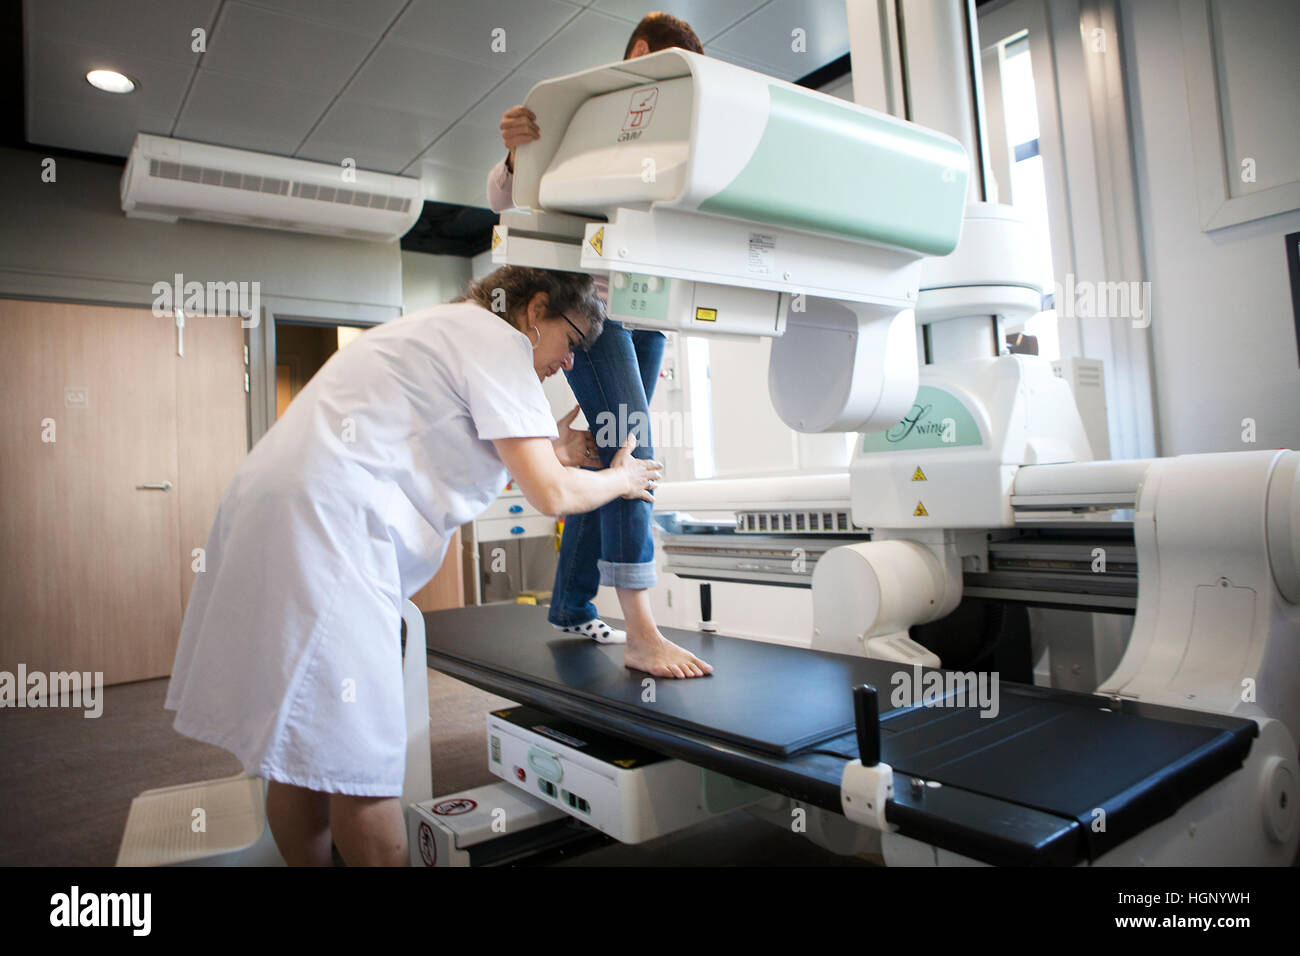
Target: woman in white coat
<point>290,654</point>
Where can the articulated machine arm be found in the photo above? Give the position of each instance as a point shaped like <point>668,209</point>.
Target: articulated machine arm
<point>714,199</point>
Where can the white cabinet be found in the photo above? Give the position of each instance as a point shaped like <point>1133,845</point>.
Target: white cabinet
<point>514,549</point>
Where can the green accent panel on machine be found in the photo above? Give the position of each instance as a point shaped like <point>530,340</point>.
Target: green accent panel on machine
<point>636,299</point>
<point>937,419</point>
<point>825,167</point>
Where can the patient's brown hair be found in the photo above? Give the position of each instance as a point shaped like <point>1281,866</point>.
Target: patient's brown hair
<point>661,31</point>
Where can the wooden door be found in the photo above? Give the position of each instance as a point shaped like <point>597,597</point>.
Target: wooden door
<point>89,413</point>
<point>94,404</point>
<point>212,430</point>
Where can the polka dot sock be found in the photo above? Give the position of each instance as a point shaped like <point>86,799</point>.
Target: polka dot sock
<point>597,630</point>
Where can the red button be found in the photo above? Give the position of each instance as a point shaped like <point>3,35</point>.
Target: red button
<point>519,772</point>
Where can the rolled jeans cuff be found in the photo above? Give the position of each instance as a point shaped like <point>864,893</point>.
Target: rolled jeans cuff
<point>635,576</point>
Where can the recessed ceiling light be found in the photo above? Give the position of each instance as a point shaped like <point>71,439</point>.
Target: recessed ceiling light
<point>110,81</point>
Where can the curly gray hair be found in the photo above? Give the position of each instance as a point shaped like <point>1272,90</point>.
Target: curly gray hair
<point>508,290</point>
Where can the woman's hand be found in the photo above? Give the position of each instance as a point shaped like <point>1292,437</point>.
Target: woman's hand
<point>574,448</point>
<point>518,126</point>
<point>555,490</point>
<point>642,474</point>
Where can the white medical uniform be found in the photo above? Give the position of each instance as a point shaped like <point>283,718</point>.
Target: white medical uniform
<point>290,653</point>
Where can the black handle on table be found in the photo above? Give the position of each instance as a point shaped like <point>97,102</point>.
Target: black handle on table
<point>867,716</point>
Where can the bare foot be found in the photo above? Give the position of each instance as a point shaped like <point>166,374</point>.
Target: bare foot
<point>660,657</point>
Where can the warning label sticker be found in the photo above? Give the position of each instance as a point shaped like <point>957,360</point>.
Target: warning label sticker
<point>762,253</point>
<point>918,475</point>
<point>428,846</point>
<point>597,240</point>
<point>920,511</point>
<point>455,807</point>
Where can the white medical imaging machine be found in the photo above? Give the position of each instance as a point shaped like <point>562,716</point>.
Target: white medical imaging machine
<point>723,202</point>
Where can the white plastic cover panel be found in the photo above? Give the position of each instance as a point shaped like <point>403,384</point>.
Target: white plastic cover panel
<point>622,149</point>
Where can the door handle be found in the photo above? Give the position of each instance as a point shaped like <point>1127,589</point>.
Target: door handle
<point>156,486</point>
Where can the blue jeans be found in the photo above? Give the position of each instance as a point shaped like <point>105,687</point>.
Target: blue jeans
<point>613,381</point>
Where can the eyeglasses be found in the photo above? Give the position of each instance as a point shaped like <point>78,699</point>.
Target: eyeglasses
<point>572,326</point>
<point>585,340</point>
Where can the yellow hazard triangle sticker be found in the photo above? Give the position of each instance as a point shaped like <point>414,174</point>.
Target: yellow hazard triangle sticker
<point>597,241</point>
<point>920,511</point>
<point>496,237</point>
<point>918,475</point>
<point>625,763</point>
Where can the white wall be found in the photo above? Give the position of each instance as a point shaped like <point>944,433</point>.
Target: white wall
<point>749,438</point>
<point>1224,341</point>
<point>432,280</point>
<point>481,264</point>
<point>69,239</point>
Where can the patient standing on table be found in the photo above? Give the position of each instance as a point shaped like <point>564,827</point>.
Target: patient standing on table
<point>290,655</point>
<point>614,381</point>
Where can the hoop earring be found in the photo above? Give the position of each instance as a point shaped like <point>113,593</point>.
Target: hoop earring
<point>539,338</point>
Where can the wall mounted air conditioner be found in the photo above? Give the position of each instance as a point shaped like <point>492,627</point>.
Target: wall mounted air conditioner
<point>170,179</point>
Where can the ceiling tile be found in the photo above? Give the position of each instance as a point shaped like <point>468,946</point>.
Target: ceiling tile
<point>470,147</point>
<point>160,31</point>
<point>80,126</point>
<point>274,68</point>
<point>385,140</point>
<point>56,69</point>
<point>766,36</point>
<point>284,51</point>
<point>706,17</point>
<point>511,92</point>
<point>447,184</point>
<point>464,27</point>
<point>238,135</point>
<point>764,68</point>
<point>258,116</point>
<point>589,39</point>
<point>418,81</point>
<point>370,18</point>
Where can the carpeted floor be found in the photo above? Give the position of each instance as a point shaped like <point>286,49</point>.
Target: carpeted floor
<point>66,782</point>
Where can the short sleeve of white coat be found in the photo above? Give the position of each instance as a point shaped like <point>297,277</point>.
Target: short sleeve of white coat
<point>504,395</point>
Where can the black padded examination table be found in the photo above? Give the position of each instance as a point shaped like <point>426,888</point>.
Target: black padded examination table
<point>1018,788</point>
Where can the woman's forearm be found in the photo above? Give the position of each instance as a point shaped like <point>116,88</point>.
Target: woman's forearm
<point>554,489</point>
<point>577,490</point>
